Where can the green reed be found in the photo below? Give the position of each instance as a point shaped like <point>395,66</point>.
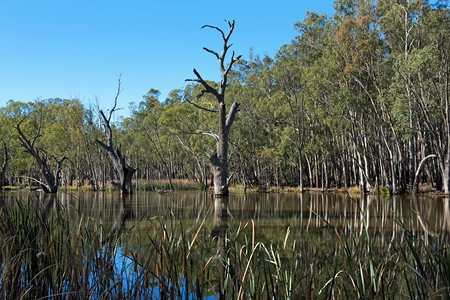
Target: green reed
<point>47,253</point>
<point>412,266</point>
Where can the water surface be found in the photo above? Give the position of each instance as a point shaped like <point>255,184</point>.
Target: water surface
<point>271,214</point>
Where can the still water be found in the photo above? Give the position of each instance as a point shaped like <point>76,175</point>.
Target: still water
<point>271,214</point>
<point>311,223</point>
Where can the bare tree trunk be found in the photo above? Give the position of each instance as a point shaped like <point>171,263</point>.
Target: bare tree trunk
<point>4,166</point>
<point>300,170</point>
<point>219,159</point>
<point>124,172</point>
<point>310,174</point>
<point>102,170</point>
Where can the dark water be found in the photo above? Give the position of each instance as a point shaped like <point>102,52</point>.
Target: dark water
<point>271,214</point>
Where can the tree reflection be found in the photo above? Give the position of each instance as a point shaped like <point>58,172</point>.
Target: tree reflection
<point>125,212</point>
<point>219,233</point>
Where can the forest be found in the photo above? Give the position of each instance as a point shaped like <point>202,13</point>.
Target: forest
<point>359,98</point>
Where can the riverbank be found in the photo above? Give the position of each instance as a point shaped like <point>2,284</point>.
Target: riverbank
<point>163,186</point>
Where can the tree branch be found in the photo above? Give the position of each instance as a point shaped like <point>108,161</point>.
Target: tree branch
<point>231,115</point>
<point>104,146</point>
<point>216,28</point>
<point>201,107</point>
<point>212,52</point>
<point>208,88</point>
<point>115,99</point>
<point>209,133</point>
<point>40,182</point>
<point>231,63</point>
<point>415,187</point>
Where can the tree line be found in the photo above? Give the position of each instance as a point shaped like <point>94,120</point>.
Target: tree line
<point>358,98</point>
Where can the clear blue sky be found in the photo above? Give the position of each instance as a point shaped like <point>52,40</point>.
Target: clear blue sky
<point>77,49</point>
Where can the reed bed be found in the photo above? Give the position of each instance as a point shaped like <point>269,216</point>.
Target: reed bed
<point>164,186</point>
<point>47,254</point>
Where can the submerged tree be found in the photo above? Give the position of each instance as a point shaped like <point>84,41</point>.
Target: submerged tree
<point>42,159</point>
<point>123,170</point>
<point>219,159</point>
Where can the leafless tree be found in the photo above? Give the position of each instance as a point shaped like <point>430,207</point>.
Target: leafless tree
<point>219,159</point>
<point>123,170</point>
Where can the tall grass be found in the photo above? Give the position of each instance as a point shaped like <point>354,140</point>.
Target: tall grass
<point>44,253</point>
<point>413,266</point>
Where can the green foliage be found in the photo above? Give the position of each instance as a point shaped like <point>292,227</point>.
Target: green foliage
<point>352,92</point>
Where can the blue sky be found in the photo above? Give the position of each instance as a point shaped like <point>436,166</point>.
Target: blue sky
<point>78,49</point>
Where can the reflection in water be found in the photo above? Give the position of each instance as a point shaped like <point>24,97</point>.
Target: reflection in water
<point>220,222</point>
<point>108,211</point>
<point>218,232</point>
<point>314,220</point>
<point>272,213</point>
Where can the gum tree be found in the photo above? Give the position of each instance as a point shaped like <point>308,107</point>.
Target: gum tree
<point>123,170</point>
<point>40,134</point>
<point>219,159</point>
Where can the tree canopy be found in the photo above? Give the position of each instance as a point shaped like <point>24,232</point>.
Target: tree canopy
<point>358,98</point>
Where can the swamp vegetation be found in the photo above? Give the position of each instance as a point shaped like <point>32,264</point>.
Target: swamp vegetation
<point>247,246</point>
<point>359,98</point>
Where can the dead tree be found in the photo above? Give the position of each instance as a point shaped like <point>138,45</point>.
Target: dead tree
<point>42,159</point>
<point>123,170</point>
<point>5,164</point>
<point>219,159</point>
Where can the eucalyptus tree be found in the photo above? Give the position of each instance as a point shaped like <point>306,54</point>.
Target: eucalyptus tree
<point>45,131</point>
<point>255,129</point>
<point>219,159</point>
<point>50,183</point>
<point>64,132</point>
<point>359,53</point>
<point>291,62</point>
<point>89,162</point>
<point>146,120</point>
<point>181,120</point>
<point>399,22</point>
<point>416,35</point>
<point>427,72</point>
<point>20,163</point>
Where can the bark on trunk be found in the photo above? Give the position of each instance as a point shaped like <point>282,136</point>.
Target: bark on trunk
<point>4,166</point>
<point>300,170</point>
<point>123,170</point>
<point>219,159</point>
